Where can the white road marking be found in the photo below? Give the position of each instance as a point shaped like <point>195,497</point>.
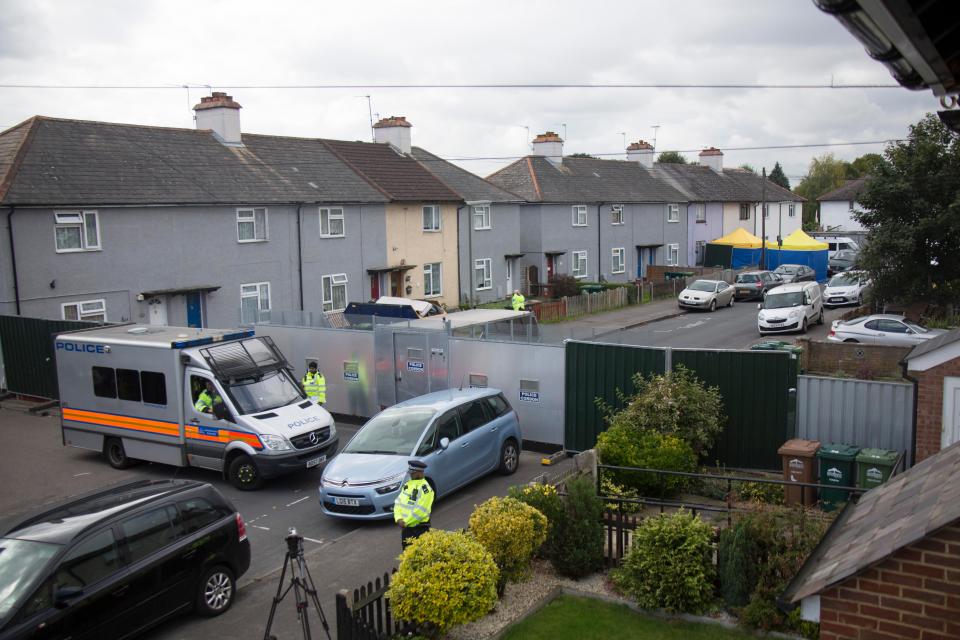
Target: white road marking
<point>256,526</point>
<point>312,540</point>
<point>693,325</point>
<point>300,500</point>
<point>82,474</point>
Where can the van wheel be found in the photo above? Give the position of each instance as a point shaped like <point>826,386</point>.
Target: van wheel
<point>820,318</point>
<point>803,328</point>
<point>509,457</point>
<point>217,590</point>
<point>116,455</point>
<point>243,474</point>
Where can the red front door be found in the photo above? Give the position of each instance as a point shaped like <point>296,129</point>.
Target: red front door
<point>374,286</point>
<point>550,260</point>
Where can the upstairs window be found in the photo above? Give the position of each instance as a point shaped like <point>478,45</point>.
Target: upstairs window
<point>766,211</point>
<point>673,213</point>
<point>616,214</point>
<point>76,231</point>
<point>701,212</point>
<point>251,225</point>
<point>331,222</point>
<point>481,217</point>
<point>431,217</point>
<point>792,211</point>
<point>579,215</point>
<point>744,211</point>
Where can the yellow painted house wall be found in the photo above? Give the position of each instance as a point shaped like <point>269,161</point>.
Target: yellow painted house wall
<point>406,240</point>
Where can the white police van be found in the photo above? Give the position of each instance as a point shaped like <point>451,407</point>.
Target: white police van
<point>130,391</point>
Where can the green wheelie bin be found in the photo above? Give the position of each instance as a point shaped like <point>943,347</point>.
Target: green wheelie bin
<point>874,466</point>
<point>836,468</point>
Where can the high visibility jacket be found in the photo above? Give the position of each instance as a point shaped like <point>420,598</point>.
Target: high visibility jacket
<point>315,386</point>
<point>414,503</point>
<point>206,401</point>
<point>519,302</point>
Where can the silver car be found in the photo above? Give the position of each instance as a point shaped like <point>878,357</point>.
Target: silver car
<point>885,329</point>
<point>796,273</point>
<point>849,287</point>
<point>706,294</point>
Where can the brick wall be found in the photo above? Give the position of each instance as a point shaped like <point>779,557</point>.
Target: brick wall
<point>930,406</point>
<point>655,271</point>
<point>914,593</point>
<point>864,361</point>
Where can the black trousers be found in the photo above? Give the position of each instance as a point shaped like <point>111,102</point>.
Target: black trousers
<point>409,533</point>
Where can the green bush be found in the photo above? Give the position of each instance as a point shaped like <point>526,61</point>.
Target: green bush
<point>669,565</point>
<point>758,492</point>
<point>444,579</point>
<point>622,445</point>
<point>579,539</point>
<point>563,285</point>
<point>610,489</point>
<point>545,499</point>
<point>739,556</point>
<point>511,531</point>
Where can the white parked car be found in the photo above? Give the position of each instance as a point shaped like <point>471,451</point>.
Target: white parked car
<point>849,287</point>
<point>885,329</point>
<point>790,307</point>
<point>706,294</point>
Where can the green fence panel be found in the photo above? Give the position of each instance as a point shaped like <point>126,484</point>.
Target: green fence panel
<point>27,346</point>
<point>596,370</point>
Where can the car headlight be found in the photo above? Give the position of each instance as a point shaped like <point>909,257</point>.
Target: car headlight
<point>275,443</point>
<point>392,485</point>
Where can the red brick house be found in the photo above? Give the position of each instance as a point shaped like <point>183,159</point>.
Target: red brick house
<point>889,566</point>
<point>935,365</point>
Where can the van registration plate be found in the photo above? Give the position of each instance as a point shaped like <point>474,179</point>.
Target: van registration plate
<point>346,502</point>
<point>315,461</point>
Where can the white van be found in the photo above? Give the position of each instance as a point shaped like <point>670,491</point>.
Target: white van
<point>790,307</point>
<point>840,244</point>
<point>131,392</point>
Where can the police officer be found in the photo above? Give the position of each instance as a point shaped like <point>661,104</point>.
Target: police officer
<point>518,301</point>
<point>208,397</point>
<point>411,509</point>
<point>314,384</point>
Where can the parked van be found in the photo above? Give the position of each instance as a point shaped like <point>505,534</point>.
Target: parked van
<point>840,244</point>
<point>790,307</point>
<point>134,392</point>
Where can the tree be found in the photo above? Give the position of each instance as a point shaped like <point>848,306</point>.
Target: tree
<point>581,155</point>
<point>671,157</point>
<point>826,173</point>
<point>865,165</point>
<point>911,209</point>
<point>777,176</point>
<point>748,167</point>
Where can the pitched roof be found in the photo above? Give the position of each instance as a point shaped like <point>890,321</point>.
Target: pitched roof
<point>755,184</point>
<point>536,179</point>
<point>398,176</point>
<point>468,185</point>
<point>74,162</point>
<point>934,343</point>
<point>849,191</point>
<point>700,182</point>
<point>887,518</point>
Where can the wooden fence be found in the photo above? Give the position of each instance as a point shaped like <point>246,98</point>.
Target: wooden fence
<point>366,614</point>
<point>580,305</point>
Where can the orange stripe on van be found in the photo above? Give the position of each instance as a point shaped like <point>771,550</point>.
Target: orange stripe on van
<point>122,422</point>
<point>224,436</point>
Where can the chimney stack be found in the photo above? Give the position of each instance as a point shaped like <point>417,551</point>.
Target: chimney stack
<point>221,114</point>
<point>394,130</point>
<point>713,158</point>
<point>642,152</point>
<point>550,146</point>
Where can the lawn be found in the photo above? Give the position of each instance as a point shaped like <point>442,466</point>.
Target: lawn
<point>585,619</point>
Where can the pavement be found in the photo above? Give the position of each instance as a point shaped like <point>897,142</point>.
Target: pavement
<point>596,325</point>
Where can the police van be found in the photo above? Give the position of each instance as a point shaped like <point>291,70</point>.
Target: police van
<point>134,393</point>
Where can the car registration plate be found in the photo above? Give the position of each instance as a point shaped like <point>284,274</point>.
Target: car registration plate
<point>315,461</point>
<point>346,502</point>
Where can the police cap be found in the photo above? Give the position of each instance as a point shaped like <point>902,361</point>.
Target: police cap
<point>416,465</point>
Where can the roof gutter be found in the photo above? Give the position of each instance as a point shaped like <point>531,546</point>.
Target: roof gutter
<point>13,257</point>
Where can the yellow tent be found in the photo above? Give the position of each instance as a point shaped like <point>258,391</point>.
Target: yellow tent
<point>798,241</point>
<point>740,237</point>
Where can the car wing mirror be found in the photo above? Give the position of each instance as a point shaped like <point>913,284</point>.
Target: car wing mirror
<point>63,596</point>
<point>759,306</point>
<point>444,443</point>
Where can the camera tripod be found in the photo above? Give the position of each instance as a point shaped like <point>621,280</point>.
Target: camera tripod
<point>301,583</point>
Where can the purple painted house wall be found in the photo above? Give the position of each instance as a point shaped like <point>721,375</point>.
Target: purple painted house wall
<point>705,231</point>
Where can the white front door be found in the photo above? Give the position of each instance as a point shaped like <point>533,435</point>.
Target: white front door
<point>951,411</point>
<point>158,311</point>
<point>509,276</point>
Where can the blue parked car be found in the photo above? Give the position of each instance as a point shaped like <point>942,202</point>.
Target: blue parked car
<point>461,434</point>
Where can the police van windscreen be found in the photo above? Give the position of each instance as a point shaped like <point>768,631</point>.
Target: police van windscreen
<point>274,390</point>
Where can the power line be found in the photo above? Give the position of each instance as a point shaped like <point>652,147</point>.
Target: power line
<point>587,85</point>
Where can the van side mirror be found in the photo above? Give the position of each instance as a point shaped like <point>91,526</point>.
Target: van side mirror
<point>444,443</point>
<point>759,305</point>
<point>63,595</point>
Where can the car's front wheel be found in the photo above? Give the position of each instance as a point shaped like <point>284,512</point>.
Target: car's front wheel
<point>713,305</point>
<point>509,457</point>
<point>217,590</point>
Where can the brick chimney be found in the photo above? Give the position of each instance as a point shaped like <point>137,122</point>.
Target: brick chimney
<point>221,114</point>
<point>642,152</point>
<point>713,158</point>
<point>550,146</point>
<point>395,130</point>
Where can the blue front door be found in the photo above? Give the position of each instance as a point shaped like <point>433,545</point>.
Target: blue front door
<point>194,315</point>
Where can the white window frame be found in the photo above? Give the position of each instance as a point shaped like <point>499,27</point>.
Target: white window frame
<point>481,213</point>
<point>434,271</point>
<point>673,213</point>
<point>248,215</point>
<point>792,211</point>
<point>260,291</point>
<point>335,280</point>
<point>579,259</point>
<point>483,273</point>
<point>77,219</point>
<point>673,250</point>
<point>616,214</point>
<point>700,213</point>
<point>579,212</point>
<point>744,211</point>
<point>85,315</point>
<point>618,260</point>
<point>332,214</point>
<point>436,222</point>
<point>766,211</point>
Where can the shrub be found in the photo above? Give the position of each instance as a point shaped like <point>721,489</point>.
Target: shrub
<point>579,539</point>
<point>739,556</point>
<point>610,489</point>
<point>545,499</point>
<point>563,284</point>
<point>511,531</point>
<point>669,565</point>
<point>622,445</point>
<point>445,579</point>
<point>758,492</point>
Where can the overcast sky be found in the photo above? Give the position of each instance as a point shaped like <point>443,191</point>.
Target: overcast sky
<point>226,43</point>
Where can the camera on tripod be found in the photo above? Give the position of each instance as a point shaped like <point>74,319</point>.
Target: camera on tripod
<point>301,584</point>
<point>294,542</point>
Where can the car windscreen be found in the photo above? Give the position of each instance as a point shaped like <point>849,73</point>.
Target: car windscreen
<point>748,277</point>
<point>393,431</point>
<point>783,300</point>
<point>22,562</point>
<point>703,285</point>
<point>916,327</point>
<point>844,280</point>
<point>787,270</point>
<point>253,395</point>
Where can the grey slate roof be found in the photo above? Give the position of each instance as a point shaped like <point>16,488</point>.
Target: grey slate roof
<point>468,185</point>
<point>536,179</point>
<point>894,515</point>
<point>701,183</point>
<point>934,343</point>
<point>849,191</point>
<point>73,162</point>
<point>755,184</point>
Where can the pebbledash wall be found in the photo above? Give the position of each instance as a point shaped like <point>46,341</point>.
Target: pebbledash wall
<point>930,407</point>
<point>913,593</point>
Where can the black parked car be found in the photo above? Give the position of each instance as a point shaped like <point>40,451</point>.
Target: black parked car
<point>841,261</point>
<point>796,273</point>
<point>754,284</point>
<point>114,563</point>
